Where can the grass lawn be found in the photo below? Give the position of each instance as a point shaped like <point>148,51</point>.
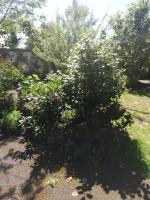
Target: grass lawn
<point>138,104</point>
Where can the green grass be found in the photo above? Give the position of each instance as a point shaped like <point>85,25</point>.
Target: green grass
<point>139,107</point>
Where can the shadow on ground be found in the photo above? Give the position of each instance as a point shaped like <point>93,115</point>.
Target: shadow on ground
<point>142,90</point>
<point>124,174</point>
<point>111,178</point>
<point>8,194</point>
<point>4,140</point>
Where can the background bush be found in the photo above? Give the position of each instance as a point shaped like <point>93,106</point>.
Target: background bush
<point>10,121</point>
<point>9,79</point>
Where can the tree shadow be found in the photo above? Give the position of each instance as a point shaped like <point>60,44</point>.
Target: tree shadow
<point>41,167</point>
<point>140,91</point>
<point>5,140</point>
<point>138,111</point>
<point>4,167</point>
<point>38,174</point>
<point>6,137</point>
<point>9,194</point>
<point>111,178</point>
<point>123,172</point>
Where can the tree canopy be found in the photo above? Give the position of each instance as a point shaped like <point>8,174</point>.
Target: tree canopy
<point>131,38</point>
<point>54,40</point>
<point>12,15</point>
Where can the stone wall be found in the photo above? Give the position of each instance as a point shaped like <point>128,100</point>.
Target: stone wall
<point>26,61</point>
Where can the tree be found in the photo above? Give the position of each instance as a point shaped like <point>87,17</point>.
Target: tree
<point>131,40</point>
<point>55,39</point>
<point>12,14</point>
<point>78,19</point>
<point>50,43</point>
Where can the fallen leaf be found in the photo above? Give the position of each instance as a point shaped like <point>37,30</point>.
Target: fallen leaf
<point>74,193</point>
<point>69,179</point>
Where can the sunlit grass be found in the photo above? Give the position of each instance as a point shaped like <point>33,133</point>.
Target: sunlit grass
<point>139,107</point>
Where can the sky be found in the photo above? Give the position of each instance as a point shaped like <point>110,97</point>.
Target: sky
<point>99,7</point>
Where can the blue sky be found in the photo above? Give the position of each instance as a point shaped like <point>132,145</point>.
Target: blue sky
<point>99,7</point>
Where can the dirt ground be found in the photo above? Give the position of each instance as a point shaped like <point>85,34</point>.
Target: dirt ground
<point>19,180</point>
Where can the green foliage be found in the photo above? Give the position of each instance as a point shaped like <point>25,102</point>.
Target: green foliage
<point>67,111</point>
<point>131,40</point>
<point>55,39</point>
<point>94,80</point>
<point>9,79</point>
<point>12,40</point>
<point>51,44</point>
<point>12,15</point>
<point>93,87</point>
<point>41,104</point>
<point>78,19</point>
<point>10,120</point>
<point>52,182</point>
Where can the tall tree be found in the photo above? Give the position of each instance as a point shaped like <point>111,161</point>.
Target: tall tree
<point>55,39</point>
<point>77,20</point>
<point>131,40</point>
<point>50,43</point>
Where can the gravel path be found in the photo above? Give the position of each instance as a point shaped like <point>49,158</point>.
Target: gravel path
<point>19,182</point>
<point>13,173</point>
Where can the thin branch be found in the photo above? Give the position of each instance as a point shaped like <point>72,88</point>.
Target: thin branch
<point>7,11</point>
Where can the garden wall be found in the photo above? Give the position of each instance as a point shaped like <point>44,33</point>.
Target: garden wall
<point>26,61</point>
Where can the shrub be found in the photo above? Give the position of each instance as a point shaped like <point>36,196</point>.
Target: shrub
<point>9,79</point>
<point>77,112</point>
<point>41,104</point>
<point>10,121</point>
<point>9,76</point>
<point>94,83</point>
<point>93,86</point>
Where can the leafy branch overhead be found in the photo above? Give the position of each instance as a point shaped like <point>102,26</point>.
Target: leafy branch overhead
<point>12,15</point>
